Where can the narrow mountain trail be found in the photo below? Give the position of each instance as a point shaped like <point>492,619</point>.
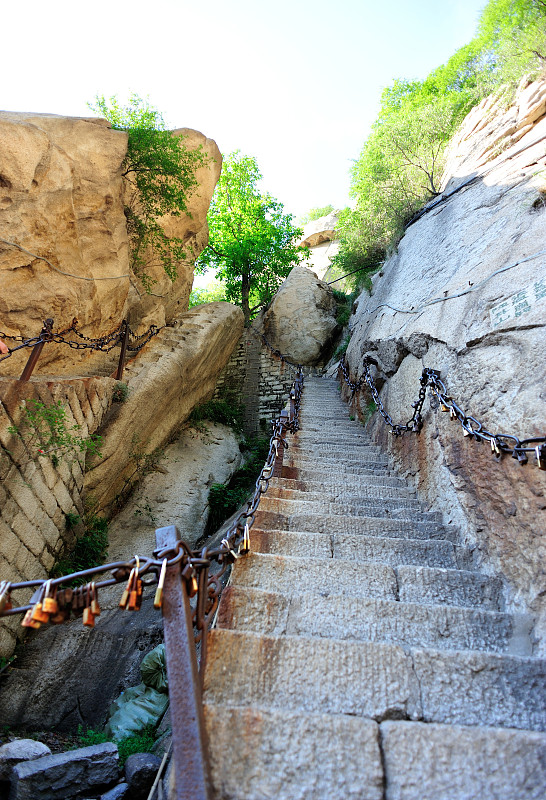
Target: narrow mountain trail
<point>357,652</point>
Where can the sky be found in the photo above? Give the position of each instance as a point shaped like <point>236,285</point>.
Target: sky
<point>295,83</point>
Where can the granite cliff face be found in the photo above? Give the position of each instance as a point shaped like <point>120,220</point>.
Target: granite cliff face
<point>466,294</point>
<point>62,200</point>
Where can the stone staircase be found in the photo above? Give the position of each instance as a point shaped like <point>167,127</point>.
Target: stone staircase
<point>358,653</point>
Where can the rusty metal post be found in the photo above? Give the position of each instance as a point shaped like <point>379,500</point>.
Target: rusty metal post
<point>124,342</point>
<point>188,727</point>
<point>45,334</point>
<point>277,470</point>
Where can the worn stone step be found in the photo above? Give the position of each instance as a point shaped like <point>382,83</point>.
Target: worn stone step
<point>314,479</point>
<point>454,762</point>
<point>344,495</point>
<point>373,465</point>
<point>336,616</point>
<point>368,525</point>
<point>360,548</point>
<point>408,583</point>
<point>304,458</point>
<point>337,485</point>
<point>376,680</point>
<point>358,508</point>
<point>343,449</point>
<point>284,755</point>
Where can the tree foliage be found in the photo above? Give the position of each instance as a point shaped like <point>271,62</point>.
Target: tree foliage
<point>162,171</point>
<point>401,162</point>
<point>252,242</point>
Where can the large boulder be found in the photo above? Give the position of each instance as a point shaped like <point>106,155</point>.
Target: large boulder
<point>62,197</point>
<point>466,294</point>
<point>301,320</point>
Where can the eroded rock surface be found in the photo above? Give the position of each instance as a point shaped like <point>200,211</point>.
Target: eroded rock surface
<point>482,253</point>
<point>301,319</point>
<point>62,199</point>
<point>179,370</point>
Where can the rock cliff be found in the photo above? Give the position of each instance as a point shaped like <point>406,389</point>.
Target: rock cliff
<point>62,200</point>
<point>466,294</point>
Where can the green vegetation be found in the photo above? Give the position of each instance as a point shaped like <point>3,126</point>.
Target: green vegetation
<point>225,499</point>
<point>162,171</point>
<point>142,742</point>
<point>120,393</point>
<point>46,433</point>
<point>316,213</point>
<point>401,162</point>
<point>209,294</point>
<point>251,243</point>
<point>224,410</point>
<point>90,549</point>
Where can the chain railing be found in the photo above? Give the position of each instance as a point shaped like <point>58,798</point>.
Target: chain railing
<point>502,444</point>
<point>123,335</point>
<point>180,574</point>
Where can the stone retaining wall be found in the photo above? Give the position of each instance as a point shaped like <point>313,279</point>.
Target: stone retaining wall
<point>258,380</point>
<point>35,495</point>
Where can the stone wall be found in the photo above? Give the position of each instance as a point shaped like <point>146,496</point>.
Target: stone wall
<point>35,495</point>
<point>258,380</point>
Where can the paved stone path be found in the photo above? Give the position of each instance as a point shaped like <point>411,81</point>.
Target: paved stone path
<point>358,653</point>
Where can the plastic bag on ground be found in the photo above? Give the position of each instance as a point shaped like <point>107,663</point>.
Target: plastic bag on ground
<point>134,709</point>
<point>153,670</point>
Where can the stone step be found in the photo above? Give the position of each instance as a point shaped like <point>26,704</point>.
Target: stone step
<point>376,464</point>
<point>345,495</point>
<point>360,548</point>
<point>313,479</point>
<point>337,485</point>
<point>369,620</point>
<point>292,575</point>
<point>369,526</point>
<point>287,755</point>
<point>375,680</point>
<point>364,454</point>
<point>344,449</point>
<point>358,508</point>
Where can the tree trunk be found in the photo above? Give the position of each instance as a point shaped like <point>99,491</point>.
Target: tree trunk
<point>245,293</point>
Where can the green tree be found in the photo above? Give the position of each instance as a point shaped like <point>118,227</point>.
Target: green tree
<point>162,172</point>
<point>252,242</point>
<point>402,159</point>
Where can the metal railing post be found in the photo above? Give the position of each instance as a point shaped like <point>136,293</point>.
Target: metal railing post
<point>188,727</point>
<point>277,470</point>
<point>45,334</point>
<point>124,341</point>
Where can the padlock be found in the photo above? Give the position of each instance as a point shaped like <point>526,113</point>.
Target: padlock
<point>466,432</point>
<point>135,593</point>
<point>495,447</point>
<point>63,612</point>
<point>5,600</point>
<point>125,596</point>
<point>38,613</point>
<point>540,452</point>
<point>521,456</point>
<point>50,605</point>
<point>95,607</point>
<point>28,622</point>
<point>88,616</point>
<point>158,599</point>
<point>244,547</point>
<point>452,413</point>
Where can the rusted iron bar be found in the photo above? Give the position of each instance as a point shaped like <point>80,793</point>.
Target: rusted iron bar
<point>188,727</point>
<point>45,335</point>
<point>124,342</point>
<point>284,426</point>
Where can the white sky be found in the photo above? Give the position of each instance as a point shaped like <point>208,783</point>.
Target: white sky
<point>295,83</point>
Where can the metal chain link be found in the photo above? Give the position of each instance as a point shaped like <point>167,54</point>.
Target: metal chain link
<point>104,343</point>
<point>194,564</point>
<point>501,443</point>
